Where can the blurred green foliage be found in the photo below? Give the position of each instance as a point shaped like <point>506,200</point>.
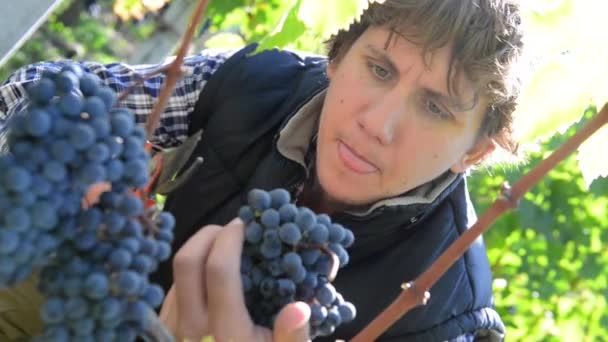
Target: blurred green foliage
<point>72,32</point>
<point>549,256</point>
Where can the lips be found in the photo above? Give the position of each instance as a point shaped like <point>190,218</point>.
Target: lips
<point>354,161</point>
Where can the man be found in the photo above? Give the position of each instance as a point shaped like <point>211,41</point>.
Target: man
<point>379,136</point>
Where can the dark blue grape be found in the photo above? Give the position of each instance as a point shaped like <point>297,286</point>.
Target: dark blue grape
<point>270,218</point>
<point>254,233</point>
<point>122,124</point>
<point>290,233</point>
<point>95,107</point>
<point>82,136</point>
<point>98,153</point>
<point>333,316</point>
<point>43,91</point>
<point>279,197</point>
<point>108,96</point>
<point>76,308</point>
<point>120,259</point>
<point>67,81</point>
<point>53,310</point>
<point>305,218</point>
<point>18,219</point>
<point>38,123</point>
<point>71,105</point>
<point>96,286</point>
<point>290,262</point>
<point>133,206</point>
<point>270,250</point>
<point>246,214</point>
<point>286,287</point>
<point>288,212</point>
<point>246,281</point>
<point>153,295</point>
<point>318,313</point>
<point>347,311</point>
<point>349,238</point>
<point>336,232</point>
<point>17,179</point>
<point>9,241</point>
<point>310,256</point>
<point>55,171</point>
<point>274,267</point>
<point>326,294</point>
<point>259,200</point>
<point>318,234</point>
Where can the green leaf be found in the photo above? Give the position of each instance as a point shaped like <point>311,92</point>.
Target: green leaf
<point>571,68</point>
<point>326,18</point>
<point>225,40</point>
<point>591,158</point>
<point>289,29</point>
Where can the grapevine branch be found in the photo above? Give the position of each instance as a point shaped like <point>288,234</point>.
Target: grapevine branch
<point>174,71</point>
<point>416,293</point>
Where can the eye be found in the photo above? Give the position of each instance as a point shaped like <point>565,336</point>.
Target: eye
<point>433,108</point>
<point>379,72</point>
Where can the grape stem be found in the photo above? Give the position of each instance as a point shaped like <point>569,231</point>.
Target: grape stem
<point>174,70</point>
<point>162,70</point>
<point>155,331</point>
<point>415,293</point>
<point>334,262</point>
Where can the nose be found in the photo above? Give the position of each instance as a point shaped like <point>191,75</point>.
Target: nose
<point>380,121</point>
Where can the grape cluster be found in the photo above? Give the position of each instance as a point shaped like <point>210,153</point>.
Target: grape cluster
<point>94,258</point>
<point>292,254</point>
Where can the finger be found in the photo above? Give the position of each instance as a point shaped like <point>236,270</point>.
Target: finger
<point>228,316</point>
<point>94,192</point>
<point>189,281</point>
<point>291,324</point>
<point>168,311</point>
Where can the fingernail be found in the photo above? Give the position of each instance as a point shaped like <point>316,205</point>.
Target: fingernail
<point>236,221</point>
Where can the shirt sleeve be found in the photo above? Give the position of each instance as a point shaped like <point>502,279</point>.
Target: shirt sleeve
<point>173,127</point>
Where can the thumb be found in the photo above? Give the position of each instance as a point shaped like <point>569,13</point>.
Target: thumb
<point>291,325</point>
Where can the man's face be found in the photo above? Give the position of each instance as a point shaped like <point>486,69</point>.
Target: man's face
<point>389,124</point>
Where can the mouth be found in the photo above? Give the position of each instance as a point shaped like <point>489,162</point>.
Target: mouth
<point>354,161</point>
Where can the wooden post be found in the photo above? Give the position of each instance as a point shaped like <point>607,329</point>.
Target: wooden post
<point>20,19</point>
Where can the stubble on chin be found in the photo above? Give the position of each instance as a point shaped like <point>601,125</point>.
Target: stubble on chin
<point>329,201</point>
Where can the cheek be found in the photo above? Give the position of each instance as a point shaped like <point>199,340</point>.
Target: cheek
<point>426,152</point>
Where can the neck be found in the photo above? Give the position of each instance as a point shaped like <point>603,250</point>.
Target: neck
<point>313,197</point>
<point>317,199</point>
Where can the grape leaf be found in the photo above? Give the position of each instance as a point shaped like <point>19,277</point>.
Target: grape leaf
<point>218,10</point>
<point>289,29</point>
<point>326,18</point>
<point>590,156</point>
<point>570,69</point>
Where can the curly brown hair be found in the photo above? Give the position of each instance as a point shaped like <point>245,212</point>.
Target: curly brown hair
<point>487,37</point>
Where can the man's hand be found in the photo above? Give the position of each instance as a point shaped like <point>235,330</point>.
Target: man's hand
<point>207,295</point>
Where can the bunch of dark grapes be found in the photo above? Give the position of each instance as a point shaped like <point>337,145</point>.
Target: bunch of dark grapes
<point>292,254</point>
<point>94,258</point>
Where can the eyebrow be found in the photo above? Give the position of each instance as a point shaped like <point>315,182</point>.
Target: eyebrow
<point>454,102</point>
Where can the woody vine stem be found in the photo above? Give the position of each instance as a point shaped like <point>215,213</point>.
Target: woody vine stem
<point>414,292</point>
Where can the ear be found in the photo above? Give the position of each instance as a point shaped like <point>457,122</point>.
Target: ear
<point>475,155</point>
<point>331,68</point>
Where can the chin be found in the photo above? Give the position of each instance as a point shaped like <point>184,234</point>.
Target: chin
<point>346,194</point>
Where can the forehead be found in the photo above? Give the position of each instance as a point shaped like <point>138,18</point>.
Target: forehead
<point>434,68</point>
